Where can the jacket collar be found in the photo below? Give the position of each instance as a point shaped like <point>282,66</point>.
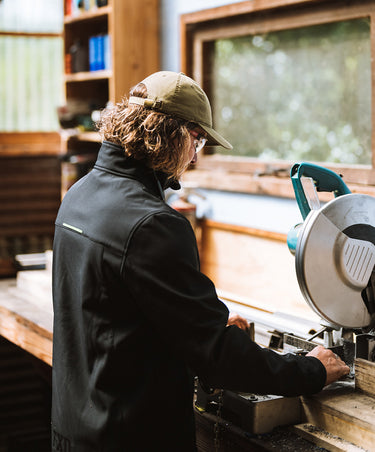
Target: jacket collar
<point>111,158</point>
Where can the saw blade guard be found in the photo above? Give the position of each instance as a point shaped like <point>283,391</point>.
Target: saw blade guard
<point>324,180</point>
<point>335,258</point>
<point>334,248</point>
<point>307,179</point>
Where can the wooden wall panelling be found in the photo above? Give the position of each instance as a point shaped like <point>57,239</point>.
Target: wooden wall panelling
<point>365,376</point>
<point>29,200</point>
<point>253,264</point>
<point>29,144</point>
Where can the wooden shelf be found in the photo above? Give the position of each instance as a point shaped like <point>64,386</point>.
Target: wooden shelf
<point>87,76</point>
<point>133,30</point>
<point>88,15</point>
<point>27,144</point>
<point>93,137</point>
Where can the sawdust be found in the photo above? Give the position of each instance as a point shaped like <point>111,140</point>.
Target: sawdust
<point>328,436</point>
<point>283,440</point>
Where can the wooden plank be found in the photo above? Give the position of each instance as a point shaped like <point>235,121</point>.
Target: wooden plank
<point>134,28</point>
<point>234,164</point>
<point>28,230</point>
<point>87,76</point>
<point>245,230</point>
<point>252,183</point>
<point>365,376</point>
<point>24,324</point>
<point>282,20</point>
<point>27,217</point>
<point>7,181</point>
<point>324,439</point>
<point>88,15</point>
<point>20,194</point>
<point>344,413</point>
<point>22,333</point>
<point>239,182</point>
<point>252,264</point>
<point>41,204</point>
<point>29,143</point>
<point>29,200</point>
<point>242,8</point>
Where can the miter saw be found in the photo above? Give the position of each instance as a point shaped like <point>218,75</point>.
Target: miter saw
<point>334,252</point>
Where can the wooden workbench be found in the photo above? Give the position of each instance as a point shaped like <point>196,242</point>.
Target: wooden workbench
<point>26,321</point>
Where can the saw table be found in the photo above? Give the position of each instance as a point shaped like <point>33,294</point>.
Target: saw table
<point>339,418</point>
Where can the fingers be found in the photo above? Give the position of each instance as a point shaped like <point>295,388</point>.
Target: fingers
<point>235,319</point>
<point>334,365</point>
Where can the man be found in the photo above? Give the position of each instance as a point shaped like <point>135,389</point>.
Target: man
<point>134,319</point>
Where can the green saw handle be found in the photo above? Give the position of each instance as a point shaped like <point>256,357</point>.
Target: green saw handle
<point>324,180</point>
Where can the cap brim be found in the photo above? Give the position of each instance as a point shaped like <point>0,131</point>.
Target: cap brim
<point>214,138</point>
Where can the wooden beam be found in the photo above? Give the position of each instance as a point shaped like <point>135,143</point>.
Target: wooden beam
<point>244,230</point>
<point>238,9</point>
<point>252,183</point>
<point>14,144</point>
<point>324,439</point>
<point>365,376</point>
<point>343,412</point>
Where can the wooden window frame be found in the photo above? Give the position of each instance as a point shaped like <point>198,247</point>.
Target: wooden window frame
<point>201,28</point>
<point>22,144</point>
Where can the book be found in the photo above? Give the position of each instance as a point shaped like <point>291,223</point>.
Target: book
<point>107,52</point>
<point>68,7</point>
<point>93,53</point>
<point>99,52</point>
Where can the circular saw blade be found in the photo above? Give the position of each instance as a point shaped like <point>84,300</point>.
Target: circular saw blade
<point>335,257</point>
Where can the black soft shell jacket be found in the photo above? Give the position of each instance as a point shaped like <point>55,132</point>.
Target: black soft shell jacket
<point>135,320</point>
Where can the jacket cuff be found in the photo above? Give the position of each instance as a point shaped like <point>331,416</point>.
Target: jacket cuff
<point>320,374</point>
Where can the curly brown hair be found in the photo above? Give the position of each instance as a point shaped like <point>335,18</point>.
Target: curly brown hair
<point>160,140</point>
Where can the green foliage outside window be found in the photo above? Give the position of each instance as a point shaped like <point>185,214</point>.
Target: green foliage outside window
<point>299,94</point>
<point>31,65</point>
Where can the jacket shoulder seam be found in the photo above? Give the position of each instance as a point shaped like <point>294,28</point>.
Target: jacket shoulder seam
<point>138,224</point>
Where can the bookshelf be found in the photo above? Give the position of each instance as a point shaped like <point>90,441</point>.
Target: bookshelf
<point>126,51</point>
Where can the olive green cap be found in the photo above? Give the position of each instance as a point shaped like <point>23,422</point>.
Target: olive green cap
<point>178,95</point>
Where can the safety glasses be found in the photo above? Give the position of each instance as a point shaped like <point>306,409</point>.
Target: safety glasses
<point>199,140</point>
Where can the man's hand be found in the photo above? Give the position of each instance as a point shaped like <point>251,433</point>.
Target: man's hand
<point>235,319</point>
<point>334,365</point>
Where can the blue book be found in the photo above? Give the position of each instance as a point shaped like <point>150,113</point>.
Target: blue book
<point>107,52</point>
<point>99,52</point>
<point>93,53</point>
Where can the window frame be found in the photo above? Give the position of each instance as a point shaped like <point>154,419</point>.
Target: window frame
<point>198,32</point>
<point>36,143</point>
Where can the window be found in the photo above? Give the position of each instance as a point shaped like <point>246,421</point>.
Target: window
<point>296,94</point>
<point>288,82</point>
<point>31,65</point>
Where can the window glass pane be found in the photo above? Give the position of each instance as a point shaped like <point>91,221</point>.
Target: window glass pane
<point>43,16</point>
<point>300,94</point>
<point>31,86</point>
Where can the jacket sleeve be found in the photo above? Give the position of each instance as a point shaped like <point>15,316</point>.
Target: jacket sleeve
<point>161,268</point>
